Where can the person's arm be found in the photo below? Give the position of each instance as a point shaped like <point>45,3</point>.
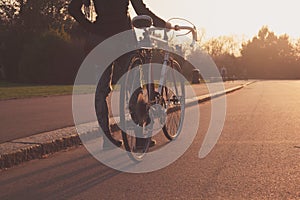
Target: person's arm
<point>75,11</point>
<point>141,9</point>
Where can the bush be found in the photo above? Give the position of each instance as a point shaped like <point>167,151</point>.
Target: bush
<point>52,58</point>
<point>12,43</point>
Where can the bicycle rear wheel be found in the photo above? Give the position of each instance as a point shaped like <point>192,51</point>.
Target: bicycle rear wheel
<point>173,94</point>
<point>134,117</point>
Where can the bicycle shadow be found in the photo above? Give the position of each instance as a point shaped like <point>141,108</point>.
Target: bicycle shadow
<point>55,180</point>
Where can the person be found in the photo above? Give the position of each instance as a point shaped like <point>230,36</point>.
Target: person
<point>112,18</point>
<point>224,73</point>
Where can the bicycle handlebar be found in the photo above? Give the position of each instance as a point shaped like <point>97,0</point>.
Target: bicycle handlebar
<point>190,29</point>
<point>193,30</point>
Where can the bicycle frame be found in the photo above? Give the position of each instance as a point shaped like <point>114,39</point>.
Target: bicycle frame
<point>167,63</point>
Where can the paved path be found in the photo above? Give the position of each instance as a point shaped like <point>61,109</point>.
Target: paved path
<point>25,117</point>
<point>257,157</point>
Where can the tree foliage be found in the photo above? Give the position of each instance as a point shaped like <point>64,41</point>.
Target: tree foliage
<point>35,41</point>
<point>35,15</point>
<point>269,56</point>
<point>221,45</point>
<point>266,55</point>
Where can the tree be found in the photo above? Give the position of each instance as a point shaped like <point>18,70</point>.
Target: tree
<point>268,55</point>
<point>35,15</point>
<point>296,49</point>
<point>221,45</point>
<point>8,12</point>
<point>23,22</point>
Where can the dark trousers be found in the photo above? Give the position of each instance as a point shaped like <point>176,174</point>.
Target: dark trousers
<point>104,85</point>
<point>104,88</point>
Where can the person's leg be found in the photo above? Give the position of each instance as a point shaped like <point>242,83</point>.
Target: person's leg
<point>102,91</point>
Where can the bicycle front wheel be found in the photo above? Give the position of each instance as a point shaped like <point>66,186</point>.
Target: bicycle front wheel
<point>134,116</point>
<point>174,101</point>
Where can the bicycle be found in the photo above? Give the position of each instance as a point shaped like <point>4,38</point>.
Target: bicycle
<point>144,103</point>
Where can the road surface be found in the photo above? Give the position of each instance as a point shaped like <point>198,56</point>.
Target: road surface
<point>256,157</point>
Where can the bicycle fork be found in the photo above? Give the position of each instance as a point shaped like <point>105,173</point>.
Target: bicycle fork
<point>164,71</point>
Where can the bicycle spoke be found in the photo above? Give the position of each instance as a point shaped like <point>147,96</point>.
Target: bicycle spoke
<point>135,136</point>
<point>174,95</point>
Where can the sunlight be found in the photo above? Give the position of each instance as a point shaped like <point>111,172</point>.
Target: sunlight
<point>233,17</point>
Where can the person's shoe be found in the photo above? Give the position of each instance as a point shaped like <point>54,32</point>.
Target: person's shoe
<point>152,143</point>
<point>111,144</point>
<point>140,143</point>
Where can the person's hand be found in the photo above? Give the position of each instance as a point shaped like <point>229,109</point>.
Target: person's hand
<point>86,3</point>
<point>168,25</point>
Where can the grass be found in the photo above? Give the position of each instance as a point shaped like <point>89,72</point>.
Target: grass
<point>19,91</point>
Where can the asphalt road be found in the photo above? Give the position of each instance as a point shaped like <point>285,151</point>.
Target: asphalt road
<point>256,157</point>
<point>25,117</point>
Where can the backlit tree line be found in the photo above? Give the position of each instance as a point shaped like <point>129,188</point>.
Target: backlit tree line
<point>40,43</point>
<point>265,56</point>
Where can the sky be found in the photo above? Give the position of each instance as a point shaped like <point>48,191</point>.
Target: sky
<point>240,18</point>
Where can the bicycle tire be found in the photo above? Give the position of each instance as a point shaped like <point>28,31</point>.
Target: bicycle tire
<point>130,126</point>
<point>174,101</point>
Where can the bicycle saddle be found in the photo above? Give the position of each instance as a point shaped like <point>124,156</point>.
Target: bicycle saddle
<point>142,21</point>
